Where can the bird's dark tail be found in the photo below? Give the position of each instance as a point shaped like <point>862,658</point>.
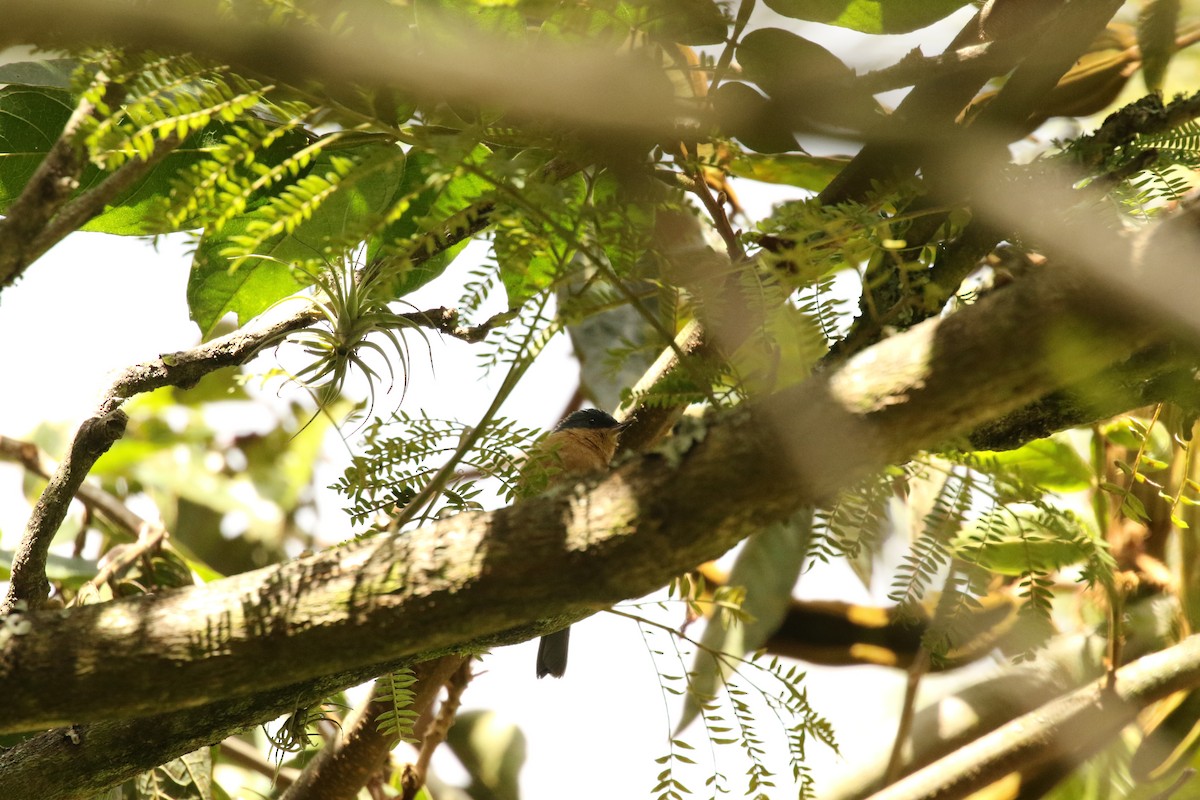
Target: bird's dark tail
<point>552,653</point>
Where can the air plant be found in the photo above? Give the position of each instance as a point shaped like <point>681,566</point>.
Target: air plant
<point>351,305</point>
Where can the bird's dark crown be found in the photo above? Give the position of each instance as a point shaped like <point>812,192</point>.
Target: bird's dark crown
<point>587,418</point>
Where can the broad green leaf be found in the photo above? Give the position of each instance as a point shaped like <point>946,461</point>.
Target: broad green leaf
<point>188,777</point>
<point>426,205</point>
<point>61,569</point>
<point>1050,463</point>
<point>1130,433</point>
<point>238,270</point>
<point>54,73</point>
<point>281,461</point>
<point>805,79</point>
<point>754,120</point>
<point>782,354</point>
<point>31,119</point>
<point>594,24</point>
<point>793,169</point>
<point>869,16</point>
<point>1018,543</point>
<point>450,20</point>
<point>214,290</point>
<point>492,750</point>
<point>129,214</point>
<point>1157,21</point>
<point>533,250</point>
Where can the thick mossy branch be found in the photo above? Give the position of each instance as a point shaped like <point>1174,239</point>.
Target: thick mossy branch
<point>479,579</point>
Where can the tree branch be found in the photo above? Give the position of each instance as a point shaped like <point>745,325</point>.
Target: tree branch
<point>44,213</point>
<point>435,731</point>
<point>474,580</point>
<point>29,587</point>
<point>1071,727</point>
<point>78,211</point>
<point>51,184</point>
<point>54,766</point>
<point>30,456</point>
<point>339,771</point>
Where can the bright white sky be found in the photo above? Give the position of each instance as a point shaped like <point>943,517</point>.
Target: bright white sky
<point>97,303</point>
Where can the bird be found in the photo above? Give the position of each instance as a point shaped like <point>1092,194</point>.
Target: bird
<point>584,442</point>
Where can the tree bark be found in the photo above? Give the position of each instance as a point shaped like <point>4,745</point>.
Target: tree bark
<point>475,580</point>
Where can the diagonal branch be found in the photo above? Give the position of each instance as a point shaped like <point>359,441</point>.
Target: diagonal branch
<point>45,213</point>
<point>29,587</point>
<point>30,456</point>
<point>481,579</point>
<point>51,184</point>
<point>1072,727</point>
<point>340,770</point>
<point>478,579</point>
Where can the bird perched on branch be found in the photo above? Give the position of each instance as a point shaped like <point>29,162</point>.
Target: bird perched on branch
<point>583,442</point>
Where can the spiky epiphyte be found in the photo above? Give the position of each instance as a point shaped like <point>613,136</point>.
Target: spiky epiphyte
<point>351,306</point>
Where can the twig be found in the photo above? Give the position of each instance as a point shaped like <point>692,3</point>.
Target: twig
<point>341,770</point>
<point>245,755</point>
<point>716,212</point>
<point>29,584</point>
<point>87,205</point>
<point>414,774</point>
<point>1180,779</point>
<point>31,457</point>
<point>150,538</point>
<point>447,321</point>
<point>44,213</point>
<point>916,671</point>
<point>914,67</point>
<point>48,188</point>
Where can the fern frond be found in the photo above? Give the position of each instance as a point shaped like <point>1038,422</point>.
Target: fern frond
<point>402,453</point>
<point>854,521</point>
<point>931,551</point>
<point>395,691</point>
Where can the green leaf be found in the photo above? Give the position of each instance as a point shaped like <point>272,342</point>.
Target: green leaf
<point>534,249</point>
<point>426,205</point>
<point>807,81</point>
<point>1020,543</point>
<point>214,291</point>
<point>60,569</point>
<point>188,777</point>
<point>31,120</point>
<point>130,213</point>
<point>242,270</point>
<point>792,169</point>
<point>1050,463</point>
<point>1157,20</point>
<point>752,119</point>
<point>54,73</point>
<point>492,750</point>
<point>692,22</point>
<point>869,16</point>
